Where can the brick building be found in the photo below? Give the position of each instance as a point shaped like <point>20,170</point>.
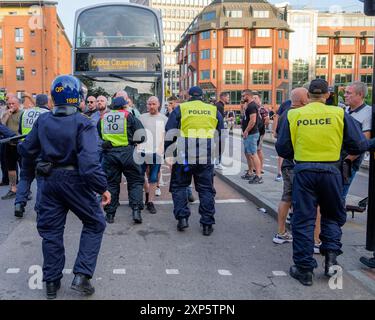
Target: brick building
<point>34,47</point>
<point>234,45</point>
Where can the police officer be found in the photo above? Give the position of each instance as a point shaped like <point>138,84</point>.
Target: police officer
<point>117,129</point>
<point>27,172</point>
<point>197,123</point>
<point>68,160</point>
<point>313,137</point>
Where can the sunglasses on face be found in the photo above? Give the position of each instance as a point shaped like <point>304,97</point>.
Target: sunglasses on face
<point>90,101</point>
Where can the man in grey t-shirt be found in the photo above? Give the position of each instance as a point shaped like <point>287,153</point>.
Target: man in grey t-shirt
<point>355,95</point>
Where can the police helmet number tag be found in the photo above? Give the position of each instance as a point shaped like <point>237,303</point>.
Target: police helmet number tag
<point>114,123</point>
<point>30,118</point>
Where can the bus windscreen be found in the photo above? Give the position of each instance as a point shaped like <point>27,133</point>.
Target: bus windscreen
<point>117,27</point>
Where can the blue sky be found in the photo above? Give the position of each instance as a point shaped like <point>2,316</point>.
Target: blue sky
<point>66,9</point>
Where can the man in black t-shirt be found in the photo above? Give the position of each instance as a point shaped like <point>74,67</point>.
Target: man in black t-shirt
<point>250,138</point>
<point>220,105</point>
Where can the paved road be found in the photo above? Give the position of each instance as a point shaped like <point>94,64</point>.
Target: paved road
<point>155,261</point>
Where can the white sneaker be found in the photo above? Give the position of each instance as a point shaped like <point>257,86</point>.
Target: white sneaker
<point>157,192</point>
<point>219,167</point>
<point>282,238</point>
<point>279,177</point>
<point>317,248</point>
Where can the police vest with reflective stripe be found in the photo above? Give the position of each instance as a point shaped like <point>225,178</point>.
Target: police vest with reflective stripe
<point>29,117</point>
<point>198,120</point>
<point>317,132</point>
<point>114,128</point>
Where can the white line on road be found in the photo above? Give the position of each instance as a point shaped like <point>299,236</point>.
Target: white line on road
<point>13,270</point>
<point>67,271</point>
<point>279,273</point>
<point>224,272</point>
<point>119,271</point>
<point>172,271</point>
<point>224,201</point>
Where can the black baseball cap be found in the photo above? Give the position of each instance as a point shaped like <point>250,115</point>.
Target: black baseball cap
<point>195,92</point>
<point>41,100</point>
<point>318,86</point>
<point>118,103</point>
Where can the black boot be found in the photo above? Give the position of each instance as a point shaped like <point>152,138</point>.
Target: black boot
<point>110,218</point>
<point>81,283</point>
<point>182,224</point>
<point>51,289</point>
<point>207,229</point>
<point>330,261</point>
<point>19,210</point>
<point>305,277</point>
<point>137,218</point>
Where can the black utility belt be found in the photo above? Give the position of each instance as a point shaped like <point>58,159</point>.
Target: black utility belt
<point>44,169</point>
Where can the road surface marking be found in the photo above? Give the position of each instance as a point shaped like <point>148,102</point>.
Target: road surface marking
<point>161,202</point>
<point>224,272</point>
<point>67,271</point>
<point>119,271</point>
<point>172,271</point>
<point>279,273</point>
<point>13,270</point>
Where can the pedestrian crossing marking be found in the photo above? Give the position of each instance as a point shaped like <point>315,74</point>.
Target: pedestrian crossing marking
<point>119,271</point>
<point>279,273</point>
<point>224,272</point>
<point>172,271</point>
<point>13,270</point>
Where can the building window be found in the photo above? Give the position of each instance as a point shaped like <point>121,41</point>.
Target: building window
<point>287,35</point>
<point>20,95</point>
<point>233,76</point>
<point>280,34</point>
<point>279,74</point>
<point>286,54</point>
<point>19,35</point>
<point>235,33</point>
<point>205,54</point>
<point>1,71</point>
<point>1,33</point>
<point>343,79</point>
<point>366,62</point>
<point>205,35</point>
<point>33,72</point>
<point>213,53</point>
<point>279,97</point>
<point>214,34</point>
<point>321,76</point>
<point>1,53</point>
<point>261,76</point>
<point>233,14</point>
<point>265,97</point>
<point>205,74</point>
<point>32,33</point>
<point>344,61</point>
<point>20,74</point>
<point>261,56</point>
<point>207,16</point>
<point>261,14</point>
<point>366,78</point>
<point>286,74</point>
<point>193,57</point>
<point>194,38</point>
<point>235,96</point>
<point>20,54</point>
<point>370,41</point>
<point>234,56</point>
<point>213,74</point>
<point>263,33</point>
<point>321,61</point>
<point>33,52</point>
<point>322,41</point>
<point>347,41</point>
<point>300,73</point>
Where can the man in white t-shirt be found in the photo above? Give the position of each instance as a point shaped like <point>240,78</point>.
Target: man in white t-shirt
<point>355,95</point>
<point>153,149</point>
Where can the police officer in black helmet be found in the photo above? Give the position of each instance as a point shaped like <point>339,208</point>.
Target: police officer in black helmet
<point>62,139</point>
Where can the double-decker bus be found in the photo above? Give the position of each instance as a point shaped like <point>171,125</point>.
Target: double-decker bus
<point>118,46</point>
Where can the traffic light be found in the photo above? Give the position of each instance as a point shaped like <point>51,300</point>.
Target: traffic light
<point>369,7</point>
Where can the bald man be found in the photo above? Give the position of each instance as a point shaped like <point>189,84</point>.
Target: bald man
<point>299,99</point>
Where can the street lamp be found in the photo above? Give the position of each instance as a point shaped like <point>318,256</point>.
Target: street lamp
<point>369,9</point>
